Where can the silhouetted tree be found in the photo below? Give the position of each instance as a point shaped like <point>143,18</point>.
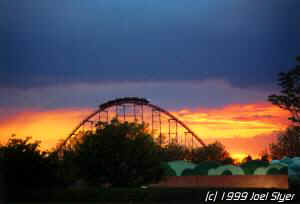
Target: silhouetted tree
<point>215,151</point>
<point>265,156</point>
<point>25,166</point>
<point>289,98</point>
<point>247,159</point>
<point>122,154</point>
<point>174,151</point>
<point>227,161</point>
<point>288,143</point>
<point>67,171</point>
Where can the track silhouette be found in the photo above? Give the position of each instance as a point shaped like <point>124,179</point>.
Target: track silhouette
<point>138,103</point>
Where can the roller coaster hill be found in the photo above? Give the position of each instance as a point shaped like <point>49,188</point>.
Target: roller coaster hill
<point>133,109</point>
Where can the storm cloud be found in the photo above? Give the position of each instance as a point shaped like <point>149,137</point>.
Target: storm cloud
<point>245,43</point>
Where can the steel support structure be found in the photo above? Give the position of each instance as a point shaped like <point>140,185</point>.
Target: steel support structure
<point>139,102</point>
<point>156,119</point>
<point>106,116</point>
<point>173,133</point>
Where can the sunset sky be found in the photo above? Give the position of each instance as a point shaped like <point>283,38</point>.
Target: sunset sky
<point>211,63</point>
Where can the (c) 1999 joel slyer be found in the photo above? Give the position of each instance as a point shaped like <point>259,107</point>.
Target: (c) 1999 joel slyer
<point>213,196</point>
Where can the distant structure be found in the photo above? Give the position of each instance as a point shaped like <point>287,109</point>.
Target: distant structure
<point>164,125</point>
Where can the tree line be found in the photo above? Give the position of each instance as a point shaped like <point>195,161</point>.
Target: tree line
<point>119,154</point>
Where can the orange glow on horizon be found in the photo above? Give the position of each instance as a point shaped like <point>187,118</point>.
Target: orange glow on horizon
<point>235,120</point>
<point>46,126</point>
<point>238,123</point>
<point>238,157</point>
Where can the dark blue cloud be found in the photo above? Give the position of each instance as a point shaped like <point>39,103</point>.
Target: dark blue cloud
<point>62,42</point>
<point>170,95</point>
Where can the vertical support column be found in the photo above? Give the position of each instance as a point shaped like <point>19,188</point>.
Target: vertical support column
<point>89,125</point>
<point>176,133</point>
<point>142,107</point>
<point>124,112</point>
<point>173,133</point>
<point>155,113</point>
<point>117,112</point>
<point>156,125</point>
<point>169,131</point>
<point>106,118</point>
<point>152,121</point>
<point>160,136</point>
<point>179,139</point>
<point>83,129</point>
<point>92,125</point>
<point>192,142</point>
<point>134,113</point>
<point>137,112</point>
<point>188,139</point>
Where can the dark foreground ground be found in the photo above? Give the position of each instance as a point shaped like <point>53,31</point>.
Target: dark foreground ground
<point>153,195</point>
<point>169,202</point>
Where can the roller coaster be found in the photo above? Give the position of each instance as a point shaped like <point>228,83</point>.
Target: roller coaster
<point>160,122</point>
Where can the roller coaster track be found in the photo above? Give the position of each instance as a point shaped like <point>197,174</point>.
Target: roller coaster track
<point>135,101</point>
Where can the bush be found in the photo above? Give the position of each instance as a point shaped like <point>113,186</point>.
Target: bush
<point>250,166</point>
<point>174,151</point>
<point>273,171</point>
<point>235,170</point>
<point>226,173</point>
<point>122,154</point>
<point>203,167</point>
<point>180,166</point>
<point>167,170</point>
<point>260,171</point>
<point>188,172</point>
<point>214,152</point>
<point>284,171</point>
